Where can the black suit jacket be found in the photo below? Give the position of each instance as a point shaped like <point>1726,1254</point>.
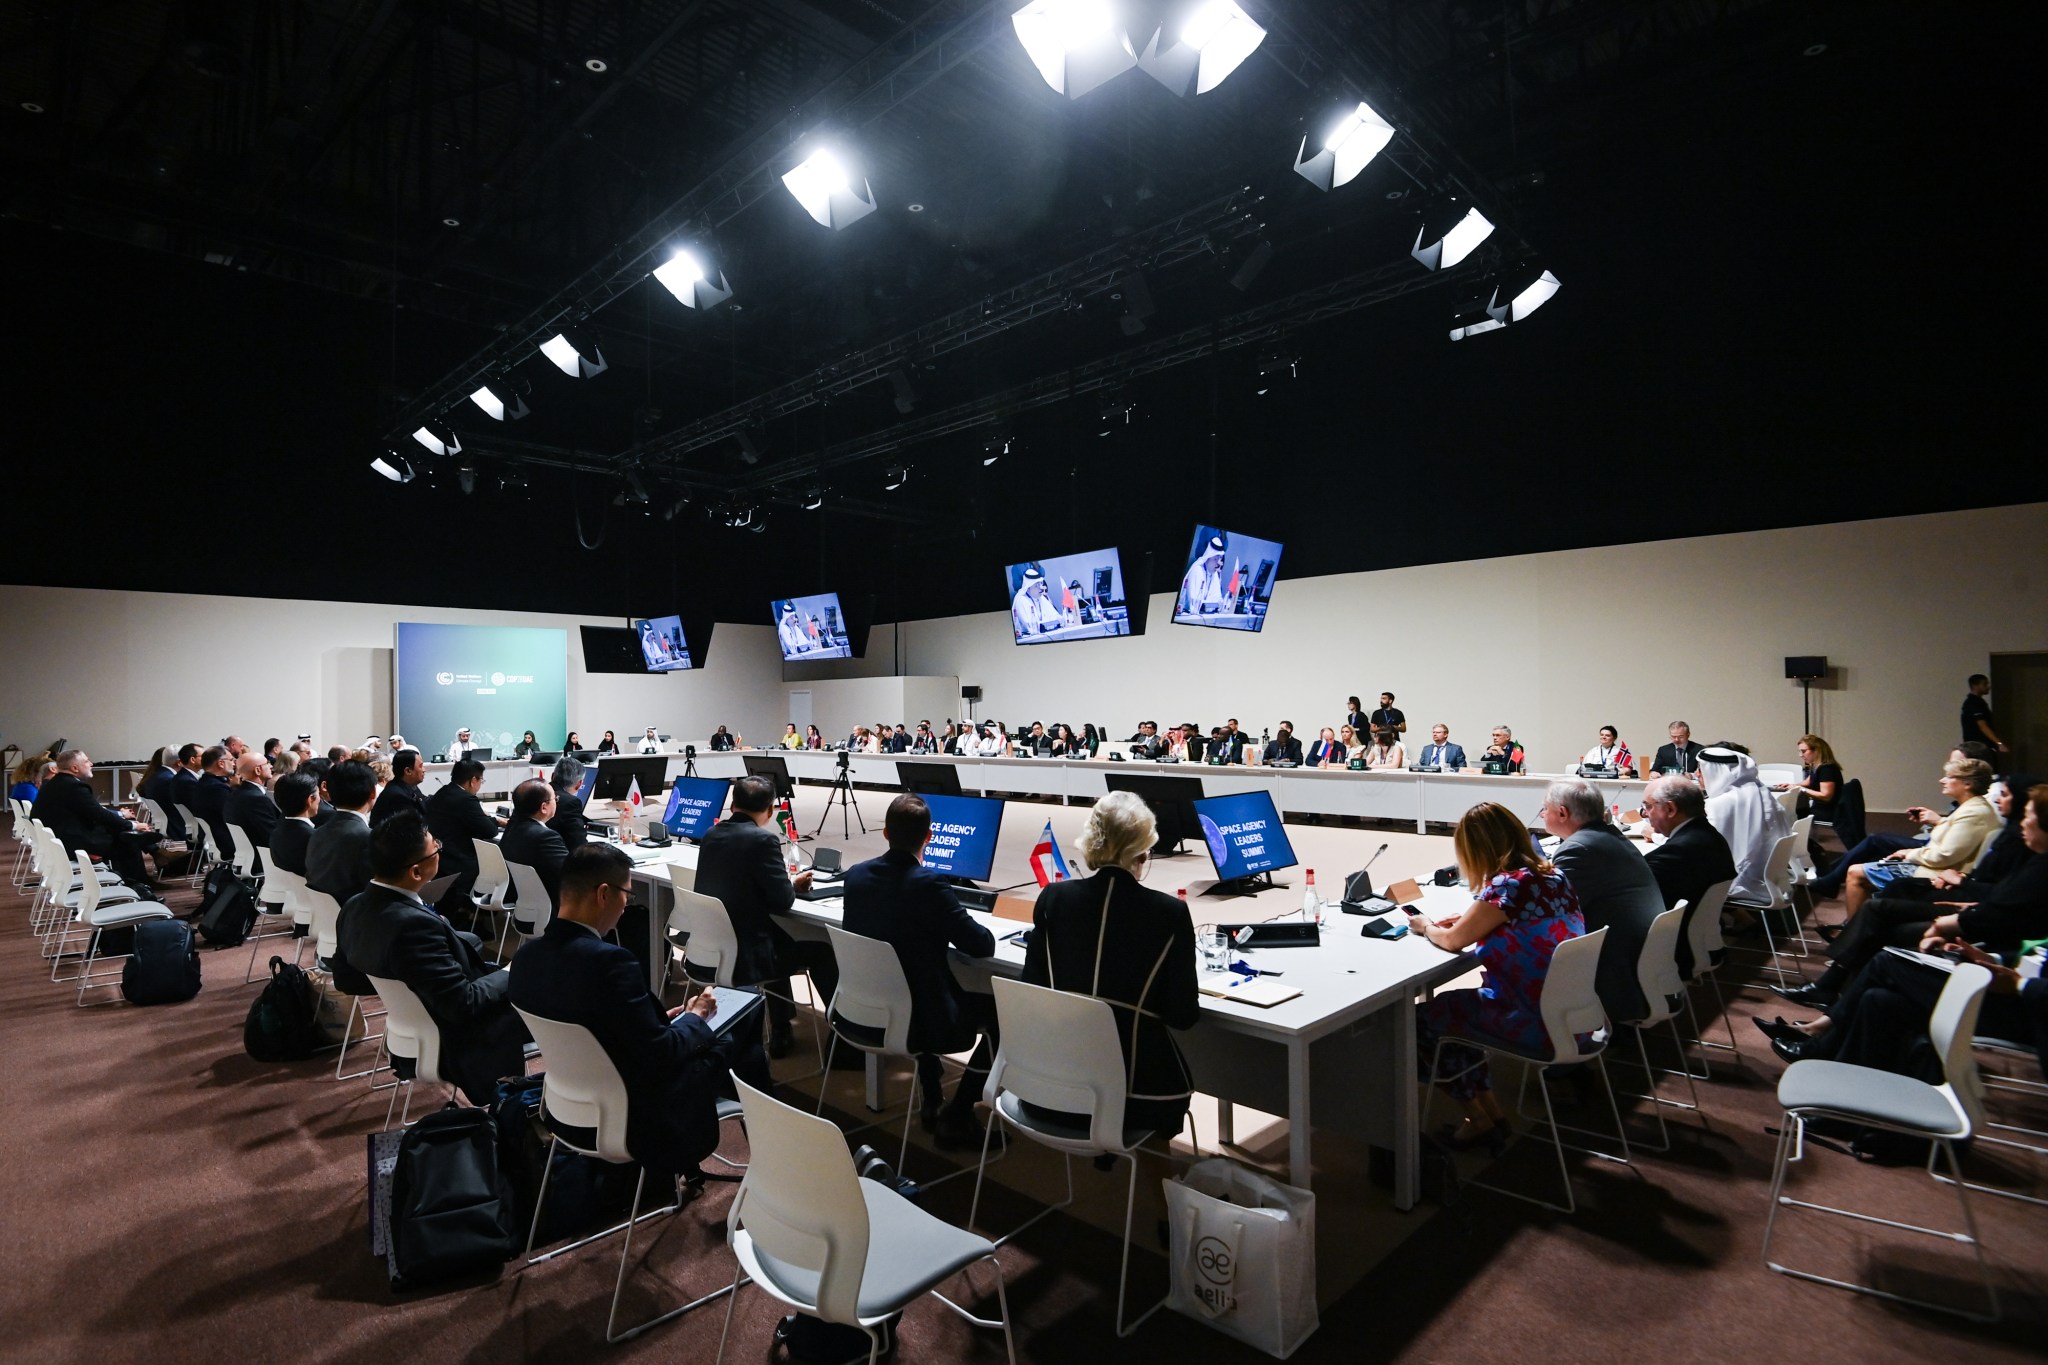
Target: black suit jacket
<point>898,900</point>
<point>183,780</point>
<point>384,932</point>
<point>338,857</point>
<point>1282,751</point>
<point>1684,758</point>
<point>255,810</point>
<point>1617,892</point>
<point>66,805</point>
<point>395,797</point>
<point>1694,858</point>
<point>210,803</point>
<point>2013,911</point>
<point>673,1071</point>
<point>162,789</point>
<point>740,864</point>
<point>457,818</point>
<point>568,820</point>
<point>288,844</point>
<point>528,841</point>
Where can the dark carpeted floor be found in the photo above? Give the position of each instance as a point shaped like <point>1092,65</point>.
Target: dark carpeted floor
<point>166,1198</point>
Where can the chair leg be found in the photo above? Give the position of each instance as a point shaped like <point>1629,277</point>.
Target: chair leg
<point>540,1201</point>
<point>1124,1269</point>
<point>1571,1203</point>
<point>974,1207</point>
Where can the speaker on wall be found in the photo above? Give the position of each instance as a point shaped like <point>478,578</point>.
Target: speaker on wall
<point>969,692</point>
<point>1806,667</point>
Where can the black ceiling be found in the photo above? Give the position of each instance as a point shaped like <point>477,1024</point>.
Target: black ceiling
<point>250,243</point>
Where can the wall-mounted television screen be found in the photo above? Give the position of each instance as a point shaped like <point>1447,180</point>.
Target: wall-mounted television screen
<point>611,649</point>
<point>662,647</point>
<point>1068,597</point>
<point>1228,583</point>
<point>812,627</point>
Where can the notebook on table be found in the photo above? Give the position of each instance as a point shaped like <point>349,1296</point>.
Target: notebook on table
<point>1263,991</point>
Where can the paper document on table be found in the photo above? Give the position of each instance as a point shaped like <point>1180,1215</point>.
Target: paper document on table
<point>1946,964</point>
<point>1263,991</point>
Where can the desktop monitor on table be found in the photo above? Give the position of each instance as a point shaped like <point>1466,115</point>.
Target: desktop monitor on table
<point>1172,800</point>
<point>694,805</point>
<point>964,830</point>
<point>615,777</point>
<point>1244,834</point>
<point>774,769</point>
<point>929,778</point>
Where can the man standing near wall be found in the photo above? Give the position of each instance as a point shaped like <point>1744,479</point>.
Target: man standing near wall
<point>1977,714</point>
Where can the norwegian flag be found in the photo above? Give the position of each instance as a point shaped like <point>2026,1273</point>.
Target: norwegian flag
<point>1046,862</point>
<point>633,797</point>
<point>786,818</point>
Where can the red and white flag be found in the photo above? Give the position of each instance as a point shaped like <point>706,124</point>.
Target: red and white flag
<point>633,797</point>
<point>1046,863</point>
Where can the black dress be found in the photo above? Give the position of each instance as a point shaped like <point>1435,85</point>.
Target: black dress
<point>1821,811</point>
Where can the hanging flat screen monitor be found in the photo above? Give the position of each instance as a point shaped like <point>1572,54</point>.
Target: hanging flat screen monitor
<point>812,627</point>
<point>1244,835</point>
<point>694,805</point>
<point>964,830</point>
<point>662,649</point>
<point>1228,583</point>
<point>611,649</point>
<point>1068,597</point>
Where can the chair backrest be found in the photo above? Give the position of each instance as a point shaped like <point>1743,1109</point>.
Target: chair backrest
<point>244,856</point>
<point>1953,1028</point>
<point>492,876</point>
<point>1060,1051</point>
<point>326,922</point>
<point>1789,799</point>
<point>714,949</point>
<point>409,1031</point>
<point>1704,933</point>
<point>212,841</point>
<point>157,815</point>
<point>195,828</point>
<point>583,1089</point>
<point>88,886</point>
<point>1849,813</point>
<point>873,992</point>
<point>801,1201</point>
<point>1569,1002</point>
<point>534,908</point>
<point>1657,965</point>
<point>288,891</point>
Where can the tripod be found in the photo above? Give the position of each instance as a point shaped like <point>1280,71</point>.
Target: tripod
<point>690,760</point>
<point>842,793</point>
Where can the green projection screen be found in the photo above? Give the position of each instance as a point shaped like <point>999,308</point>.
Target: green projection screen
<point>500,681</point>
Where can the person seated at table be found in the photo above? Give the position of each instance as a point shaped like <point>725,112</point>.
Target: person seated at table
<point>1109,936</point>
<point>1956,841</point>
<point>1283,747</point>
<point>609,744</point>
<point>1384,752</point>
<point>722,741</point>
<point>1147,743</point>
<point>650,742</point>
<point>1504,749</point>
<point>458,820</point>
<point>1692,856</point>
<point>1522,908</point>
<point>1328,751</point>
<point>568,820</point>
<point>814,738</point>
<point>527,746</point>
<point>571,742</point>
<point>402,789</point>
<point>1820,781</point>
<point>995,741</point>
<point>1440,753</point>
<point>1064,743</point>
<point>1609,752</point>
<point>1681,756</point>
<point>965,743</point>
<point>530,841</point>
<point>1091,739</point>
<point>1615,887</point>
<point>790,738</point>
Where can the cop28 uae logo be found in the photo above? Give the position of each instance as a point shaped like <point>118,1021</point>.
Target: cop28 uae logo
<point>445,679</point>
<point>497,679</point>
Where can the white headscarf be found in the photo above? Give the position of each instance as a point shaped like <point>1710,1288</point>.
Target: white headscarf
<point>1750,818</point>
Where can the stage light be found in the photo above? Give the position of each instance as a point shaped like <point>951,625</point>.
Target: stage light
<point>636,491</point>
<point>814,499</point>
<point>748,438</point>
<point>1075,44</point>
<point>1349,148</point>
<point>502,399</point>
<point>1214,39</point>
<point>895,477</point>
<point>825,188</point>
<point>1275,365</point>
<point>684,276</point>
<point>675,509</point>
<point>1136,300</point>
<point>465,475</point>
<point>438,437</point>
<point>394,467</point>
<point>995,447</point>
<point>574,353</point>
<point>1520,293</point>
<point>1449,233</point>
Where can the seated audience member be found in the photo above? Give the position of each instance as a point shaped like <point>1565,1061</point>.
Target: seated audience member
<point>1109,936</point>
<point>1327,752</point>
<point>790,738</point>
<point>456,818</point>
<point>722,741</point>
<point>236,747</point>
<point>386,930</point>
<point>674,1064</point>
<point>1615,887</point>
<point>571,742</point>
<point>1748,817</point>
<point>1609,752</point>
<point>896,899</point>
<point>1091,740</point>
<point>1440,752</point>
<point>739,864</point>
<point>1681,756</point>
<point>2007,853</point>
<point>528,839</point>
<point>287,762</point>
<point>249,805</point>
<point>1521,910</point>
<point>899,739</point>
<point>965,743</point>
<point>272,747</point>
<point>1504,749</point>
<point>527,746</point>
<point>159,784</point>
<point>1064,742</point>
<point>1693,856</point>
<point>185,777</point>
<point>1147,743</point>
<point>402,792</point>
<point>1384,751</point>
<point>1820,782</point>
<point>210,797</point>
<point>68,809</point>
<point>995,741</point>
<point>609,744</point>
<point>1955,842</point>
<point>814,738</point>
<point>1283,747</point>
<point>323,809</point>
<point>1036,741</point>
<point>338,854</point>
<point>568,819</point>
<point>29,773</point>
<point>297,795</point>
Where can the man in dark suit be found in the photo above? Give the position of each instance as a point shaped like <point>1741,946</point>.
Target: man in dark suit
<point>185,777</point>
<point>458,819</point>
<point>210,797</point>
<point>248,803</point>
<point>1147,743</point>
<point>1283,747</point>
<point>338,854</point>
<point>1681,755</point>
<point>674,1065</point>
<point>162,789</point>
<point>1234,741</point>
<point>388,931</point>
<point>898,900</point>
<point>1616,890</point>
<point>1693,856</point>
<point>402,792</point>
<point>1440,752</point>
<point>67,806</point>
<point>739,863</point>
<point>528,839</point>
<point>297,793</point>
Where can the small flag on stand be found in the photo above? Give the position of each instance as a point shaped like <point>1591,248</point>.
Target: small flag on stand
<point>633,797</point>
<point>786,818</point>
<point>1046,862</point>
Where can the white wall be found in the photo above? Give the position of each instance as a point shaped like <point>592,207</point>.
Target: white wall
<point>837,705</point>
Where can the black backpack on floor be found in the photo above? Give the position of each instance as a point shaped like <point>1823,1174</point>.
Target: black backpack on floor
<point>451,1210</point>
<point>229,910</point>
<point>284,1021</point>
<point>164,967</point>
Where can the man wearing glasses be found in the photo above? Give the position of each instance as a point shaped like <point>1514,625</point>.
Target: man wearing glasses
<point>676,1063</point>
<point>389,931</point>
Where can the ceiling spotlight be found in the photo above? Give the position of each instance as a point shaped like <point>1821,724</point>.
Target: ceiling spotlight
<point>1350,146</point>
<point>749,439</point>
<point>503,399</point>
<point>465,475</point>
<point>684,276</point>
<point>826,190</point>
<point>451,222</point>
<point>1812,50</point>
<point>394,467</point>
<point>675,509</point>
<point>636,491</point>
<point>995,447</point>
<point>31,107</point>
<point>438,437</point>
<point>895,477</point>
<point>1214,39</point>
<point>915,208</point>
<point>596,66</point>
<point>1449,233</point>
<point>814,499</point>
<point>574,353</point>
<point>1520,293</point>
<point>1075,44</point>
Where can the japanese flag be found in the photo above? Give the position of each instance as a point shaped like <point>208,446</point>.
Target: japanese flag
<point>633,793</point>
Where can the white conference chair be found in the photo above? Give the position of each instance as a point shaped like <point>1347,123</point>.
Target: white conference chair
<point>870,1010</point>
<point>493,879</point>
<point>1815,1088</point>
<point>326,936</point>
<point>91,914</point>
<point>410,1032</point>
<point>531,912</point>
<point>1703,934</point>
<point>200,849</point>
<point>246,860</point>
<point>583,1090</point>
<point>1664,991</point>
<point>210,844</point>
<point>820,1239</point>
<point>702,939</point>
<point>1778,886</point>
<point>62,883</point>
<point>282,898</point>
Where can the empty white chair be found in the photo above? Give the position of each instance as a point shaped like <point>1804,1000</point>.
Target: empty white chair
<point>409,1031</point>
<point>91,914</point>
<point>1664,992</point>
<point>493,879</point>
<point>62,883</point>
<point>1703,935</point>
<point>820,1239</point>
<point>870,1010</point>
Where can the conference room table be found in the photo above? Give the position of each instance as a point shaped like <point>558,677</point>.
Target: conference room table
<point>1340,1055</point>
<point>501,775</point>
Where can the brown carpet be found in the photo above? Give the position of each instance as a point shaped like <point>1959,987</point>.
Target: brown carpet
<point>166,1198</point>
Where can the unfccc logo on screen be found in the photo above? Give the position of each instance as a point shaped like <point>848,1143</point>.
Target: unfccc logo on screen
<point>497,679</point>
<point>445,679</point>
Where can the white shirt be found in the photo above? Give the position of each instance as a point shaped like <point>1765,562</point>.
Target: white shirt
<point>458,744</point>
<point>1201,589</point>
<point>794,639</point>
<point>650,744</point>
<point>1032,614</point>
<point>990,746</point>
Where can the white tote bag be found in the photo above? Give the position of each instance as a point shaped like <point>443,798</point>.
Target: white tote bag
<point>1244,1254</point>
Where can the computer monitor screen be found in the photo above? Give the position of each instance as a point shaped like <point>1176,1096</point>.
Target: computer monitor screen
<point>774,769</point>
<point>662,648</point>
<point>1172,800</point>
<point>1228,583</point>
<point>811,627</point>
<point>694,805</point>
<point>1068,597</point>
<point>963,842</point>
<point>611,649</point>
<point>926,778</point>
<point>588,784</point>
<point>615,777</point>
<point>1244,834</point>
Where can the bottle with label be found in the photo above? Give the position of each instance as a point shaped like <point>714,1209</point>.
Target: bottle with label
<point>1311,908</point>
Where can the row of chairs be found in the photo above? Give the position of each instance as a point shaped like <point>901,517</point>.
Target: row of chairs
<point>75,903</point>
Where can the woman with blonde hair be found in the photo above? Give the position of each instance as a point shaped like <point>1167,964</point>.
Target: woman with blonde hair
<point>1821,781</point>
<point>1522,908</point>
<point>1108,936</point>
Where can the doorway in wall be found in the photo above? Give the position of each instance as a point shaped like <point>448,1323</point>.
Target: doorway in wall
<point>2019,708</point>
<point>800,709</point>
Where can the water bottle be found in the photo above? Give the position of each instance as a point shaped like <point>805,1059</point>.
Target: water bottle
<point>1311,908</point>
